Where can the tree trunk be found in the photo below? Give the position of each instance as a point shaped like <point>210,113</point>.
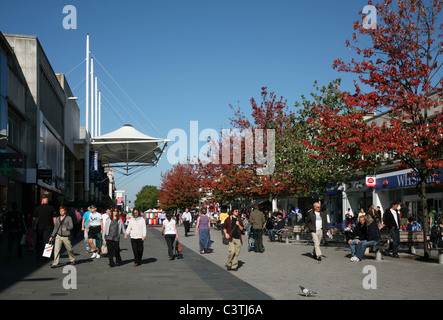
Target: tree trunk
<point>424,207</point>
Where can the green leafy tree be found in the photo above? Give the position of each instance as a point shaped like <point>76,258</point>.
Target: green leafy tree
<point>147,198</point>
<point>312,173</point>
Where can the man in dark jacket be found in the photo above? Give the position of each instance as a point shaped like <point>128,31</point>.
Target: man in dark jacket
<point>373,235</point>
<point>258,221</point>
<point>391,220</point>
<point>358,234</point>
<point>233,226</point>
<point>317,223</point>
<point>44,220</point>
<point>437,234</point>
<point>280,224</point>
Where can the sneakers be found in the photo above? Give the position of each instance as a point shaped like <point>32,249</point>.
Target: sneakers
<point>95,255</point>
<point>354,259</point>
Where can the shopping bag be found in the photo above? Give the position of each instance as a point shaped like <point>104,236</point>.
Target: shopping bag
<point>23,240</point>
<point>48,250</point>
<point>104,248</point>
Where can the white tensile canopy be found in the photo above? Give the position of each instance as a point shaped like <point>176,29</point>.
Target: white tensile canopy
<point>127,148</point>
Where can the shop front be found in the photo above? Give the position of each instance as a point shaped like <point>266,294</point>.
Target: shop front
<point>400,186</point>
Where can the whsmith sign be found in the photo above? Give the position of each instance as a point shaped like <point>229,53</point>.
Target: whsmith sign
<point>403,179</point>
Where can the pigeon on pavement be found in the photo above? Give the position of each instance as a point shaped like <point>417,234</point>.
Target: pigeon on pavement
<point>307,292</point>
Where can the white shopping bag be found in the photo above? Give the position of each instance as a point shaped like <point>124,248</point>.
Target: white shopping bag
<point>48,250</point>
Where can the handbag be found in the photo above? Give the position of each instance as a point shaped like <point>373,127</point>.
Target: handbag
<point>179,247</point>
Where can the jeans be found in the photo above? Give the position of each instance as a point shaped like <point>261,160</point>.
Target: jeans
<point>353,246</point>
<point>272,233</point>
<point>361,247</point>
<point>395,236</point>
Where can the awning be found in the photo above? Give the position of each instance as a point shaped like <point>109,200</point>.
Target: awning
<point>128,148</point>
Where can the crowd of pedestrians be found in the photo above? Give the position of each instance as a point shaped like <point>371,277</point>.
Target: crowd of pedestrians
<point>102,231</point>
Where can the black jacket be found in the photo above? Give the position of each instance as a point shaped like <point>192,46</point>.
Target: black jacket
<point>389,221</point>
<point>436,237</point>
<point>359,232</point>
<point>310,221</point>
<point>373,232</point>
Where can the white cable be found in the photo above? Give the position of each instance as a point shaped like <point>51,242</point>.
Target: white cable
<point>128,97</point>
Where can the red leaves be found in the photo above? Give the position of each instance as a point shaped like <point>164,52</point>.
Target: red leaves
<point>180,187</point>
<point>401,70</point>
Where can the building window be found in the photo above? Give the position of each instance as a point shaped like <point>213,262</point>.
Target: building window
<point>13,132</point>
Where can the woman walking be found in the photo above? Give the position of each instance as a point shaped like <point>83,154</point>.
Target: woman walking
<point>113,229</point>
<point>169,231</point>
<point>62,234</point>
<point>203,230</point>
<point>137,231</point>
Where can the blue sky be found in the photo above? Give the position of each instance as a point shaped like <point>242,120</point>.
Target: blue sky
<point>186,60</point>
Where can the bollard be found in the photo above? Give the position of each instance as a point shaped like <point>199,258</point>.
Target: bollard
<point>378,255</point>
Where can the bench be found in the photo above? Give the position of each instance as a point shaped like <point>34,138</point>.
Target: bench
<point>298,230</point>
<point>290,234</point>
<point>411,239</point>
<point>284,233</point>
<point>379,247</point>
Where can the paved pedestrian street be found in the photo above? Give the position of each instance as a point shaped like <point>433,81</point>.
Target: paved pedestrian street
<point>276,274</point>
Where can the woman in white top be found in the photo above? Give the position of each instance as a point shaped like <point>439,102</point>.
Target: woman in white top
<point>95,230</point>
<point>169,231</point>
<point>137,231</point>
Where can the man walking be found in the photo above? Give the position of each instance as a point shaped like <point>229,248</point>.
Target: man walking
<point>391,220</point>
<point>187,219</point>
<point>233,227</point>
<point>258,221</point>
<point>317,224</point>
<point>43,220</point>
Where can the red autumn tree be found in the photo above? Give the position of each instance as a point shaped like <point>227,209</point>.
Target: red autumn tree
<point>180,187</point>
<point>398,76</point>
<point>248,177</point>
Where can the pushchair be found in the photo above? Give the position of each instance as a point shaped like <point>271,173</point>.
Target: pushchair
<point>251,240</point>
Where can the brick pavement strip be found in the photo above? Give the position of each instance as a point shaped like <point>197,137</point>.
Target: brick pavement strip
<point>275,274</point>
